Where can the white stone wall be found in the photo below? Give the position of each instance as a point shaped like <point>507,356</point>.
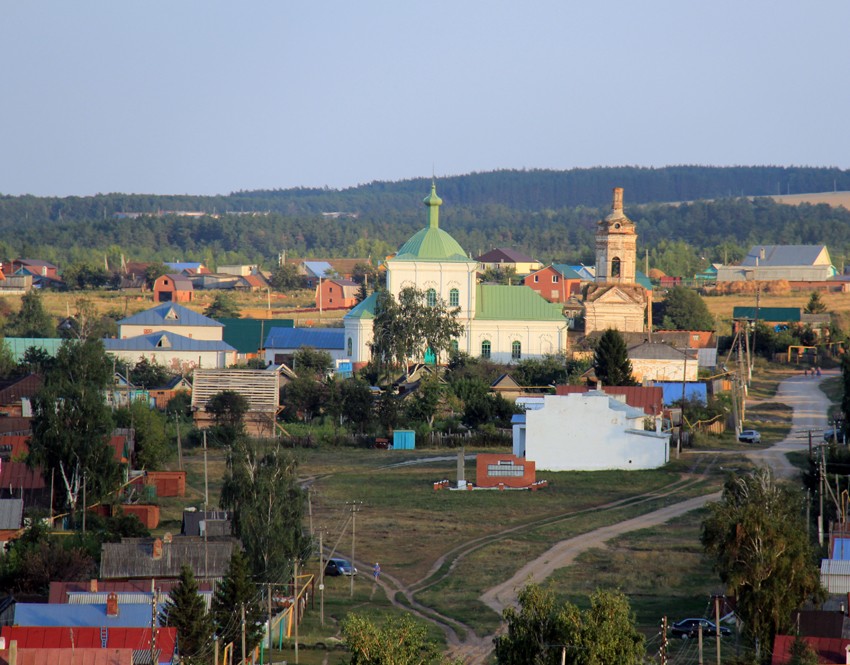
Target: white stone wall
<point>664,370</point>
<point>438,275</point>
<point>181,361</point>
<point>214,333</point>
<point>582,432</point>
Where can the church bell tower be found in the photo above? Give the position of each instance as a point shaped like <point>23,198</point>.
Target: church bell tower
<point>616,245</point>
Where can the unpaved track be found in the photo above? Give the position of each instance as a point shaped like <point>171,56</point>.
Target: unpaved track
<point>809,406</point>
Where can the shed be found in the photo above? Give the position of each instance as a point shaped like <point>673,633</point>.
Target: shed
<point>147,514</point>
<point>835,576</point>
<point>173,288</point>
<point>167,483</point>
<point>404,439</point>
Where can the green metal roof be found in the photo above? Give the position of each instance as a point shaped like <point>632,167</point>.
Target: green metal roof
<point>364,309</point>
<point>497,302</point>
<point>773,314</point>
<point>643,280</point>
<point>19,345</point>
<point>248,335</point>
<point>432,243</point>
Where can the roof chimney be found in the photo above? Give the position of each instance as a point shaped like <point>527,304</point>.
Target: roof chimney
<point>761,253</point>
<point>157,549</point>
<point>93,586</point>
<point>112,605</point>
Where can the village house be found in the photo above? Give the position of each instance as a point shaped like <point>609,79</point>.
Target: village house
<point>505,258</point>
<point>588,432</point>
<point>557,282</point>
<point>173,288</point>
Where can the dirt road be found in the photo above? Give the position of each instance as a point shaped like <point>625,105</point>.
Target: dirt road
<point>809,406</point>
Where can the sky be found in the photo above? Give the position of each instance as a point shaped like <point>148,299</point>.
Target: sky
<point>210,97</point>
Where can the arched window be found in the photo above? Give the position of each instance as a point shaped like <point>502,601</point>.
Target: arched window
<point>454,298</point>
<point>615,267</point>
<point>350,345</point>
<point>431,298</point>
<point>453,345</point>
<point>516,350</point>
<point>485,348</point>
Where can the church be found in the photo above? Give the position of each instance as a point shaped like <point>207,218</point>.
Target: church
<point>505,323</point>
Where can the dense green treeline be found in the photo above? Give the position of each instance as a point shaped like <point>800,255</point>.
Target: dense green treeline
<point>551,215</point>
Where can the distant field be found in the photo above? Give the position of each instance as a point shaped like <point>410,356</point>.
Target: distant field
<point>830,198</point>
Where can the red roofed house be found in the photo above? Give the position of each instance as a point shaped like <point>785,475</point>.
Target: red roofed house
<point>36,268</point>
<point>650,399</point>
<point>14,655</point>
<point>555,283</point>
<point>173,288</point>
<point>830,650</point>
<point>72,640</point>
<point>337,294</point>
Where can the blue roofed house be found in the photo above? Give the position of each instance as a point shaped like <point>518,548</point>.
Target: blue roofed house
<point>282,343</point>
<point>174,336</point>
<point>112,614</point>
<point>178,353</point>
<point>505,323</point>
<point>171,317</point>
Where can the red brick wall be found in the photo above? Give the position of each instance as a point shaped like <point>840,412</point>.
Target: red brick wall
<point>484,479</point>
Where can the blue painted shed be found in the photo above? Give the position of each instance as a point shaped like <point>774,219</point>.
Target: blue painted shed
<point>404,439</point>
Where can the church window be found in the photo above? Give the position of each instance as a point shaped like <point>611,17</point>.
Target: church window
<point>516,350</point>
<point>615,267</point>
<point>454,298</point>
<point>350,345</point>
<point>431,298</point>
<point>485,348</point>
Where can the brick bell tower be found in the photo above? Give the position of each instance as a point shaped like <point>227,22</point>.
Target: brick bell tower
<point>616,245</point>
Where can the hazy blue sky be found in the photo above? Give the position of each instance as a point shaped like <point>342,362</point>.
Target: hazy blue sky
<point>210,97</point>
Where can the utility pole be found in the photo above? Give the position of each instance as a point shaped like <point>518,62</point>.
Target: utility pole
<point>179,442</point>
<point>353,540</point>
<point>242,660</point>
<point>699,643</point>
<point>206,501</point>
<point>153,628</point>
<point>662,652</point>
<point>297,607</point>
<point>321,580</point>
<point>717,626</point>
<point>821,474</point>
<point>269,586</point>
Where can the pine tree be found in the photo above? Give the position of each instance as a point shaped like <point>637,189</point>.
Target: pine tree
<point>185,611</point>
<point>611,360</point>
<point>236,591</point>
<point>815,304</point>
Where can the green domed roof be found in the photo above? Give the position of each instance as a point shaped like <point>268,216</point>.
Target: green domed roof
<point>432,243</point>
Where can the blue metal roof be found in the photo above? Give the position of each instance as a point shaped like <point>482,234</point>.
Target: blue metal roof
<point>841,549</point>
<point>169,314</point>
<point>137,615</point>
<point>165,341</point>
<point>180,266</point>
<point>295,338</point>
<point>694,390</point>
<point>319,268</point>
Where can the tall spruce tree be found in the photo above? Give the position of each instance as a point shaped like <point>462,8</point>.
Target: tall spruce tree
<point>611,360</point>
<point>237,591</point>
<point>186,612</point>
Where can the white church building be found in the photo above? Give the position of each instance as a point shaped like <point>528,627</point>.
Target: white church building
<point>503,323</point>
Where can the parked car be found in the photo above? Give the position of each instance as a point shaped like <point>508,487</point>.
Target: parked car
<point>834,435</point>
<point>688,628</point>
<point>749,436</point>
<point>336,567</point>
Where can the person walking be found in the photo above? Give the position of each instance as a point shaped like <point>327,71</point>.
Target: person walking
<point>376,571</point>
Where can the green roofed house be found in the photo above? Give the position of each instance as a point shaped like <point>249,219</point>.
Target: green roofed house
<point>505,323</point>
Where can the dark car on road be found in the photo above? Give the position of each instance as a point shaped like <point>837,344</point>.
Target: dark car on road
<point>831,435</point>
<point>688,628</point>
<point>336,567</point>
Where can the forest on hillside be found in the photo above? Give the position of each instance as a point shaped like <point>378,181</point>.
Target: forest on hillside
<point>551,215</point>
